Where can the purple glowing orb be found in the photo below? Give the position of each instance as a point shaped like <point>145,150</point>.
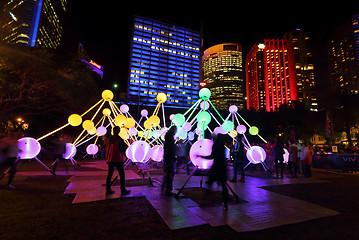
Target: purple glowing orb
<point>202,147</point>
<point>29,148</point>
<point>256,154</point>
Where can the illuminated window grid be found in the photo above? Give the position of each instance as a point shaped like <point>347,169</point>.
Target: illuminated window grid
<point>164,58</point>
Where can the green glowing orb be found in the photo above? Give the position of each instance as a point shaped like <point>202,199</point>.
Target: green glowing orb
<point>204,94</point>
<point>204,117</point>
<point>228,125</point>
<point>178,119</point>
<point>253,130</point>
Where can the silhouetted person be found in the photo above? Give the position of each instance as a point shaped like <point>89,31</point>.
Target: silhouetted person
<point>169,160</point>
<point>238,155</point>
<point>218,171</point>
<point>278,152</point>
<point>115,157</point>
<point>10,150</point>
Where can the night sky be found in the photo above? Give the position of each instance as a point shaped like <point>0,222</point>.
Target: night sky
<point>104,27</point>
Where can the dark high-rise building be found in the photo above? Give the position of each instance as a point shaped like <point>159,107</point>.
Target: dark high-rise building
<point>223,75</point>
<point>304,67</point>
<point>32,22</point>
<point>164,58</point>
<point>270,75</point>
<point>343,58</point>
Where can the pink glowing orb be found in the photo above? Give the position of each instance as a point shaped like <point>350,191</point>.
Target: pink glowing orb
<point>202,147</point>
<point>190,136</point>
<point>139,151</point>
<point>144,113</point>
<point>218,130</point>
<point>101,130</point>
<point>187,126</point>
<point>256,154</point>
<point>124,108</point>
<point>204,105</point>
<point>286,155</point>
<point>92,149</point>
<point>29,148</point>
<point>241,129</point>
<point>157,153</point>
<point>233,109</point>
<point>70,151</point>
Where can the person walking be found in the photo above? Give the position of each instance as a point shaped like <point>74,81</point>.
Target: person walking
<point>237,152</point>
<point>218,171</point>
<point>306,160</point>
<point>293,158</point>
<point>115,157</point>
<point>278,152</point>
<point>169,160</point>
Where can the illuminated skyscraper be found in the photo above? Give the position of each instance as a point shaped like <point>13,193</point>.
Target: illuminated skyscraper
<point>32,22</point>
<point>164,58</point>
<point>223,75</point>
<point>304,67</point>
<point>270,75</point>
<point>344,57</point>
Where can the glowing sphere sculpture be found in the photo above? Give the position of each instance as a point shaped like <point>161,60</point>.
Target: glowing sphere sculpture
<point>202,147</point>
<point>121,120</point>
<point>157,153</point>
<point>241,129</point>
<point>70,151</point>
<point>228,125</point>
<point>161,98</point>
<point>204,94</point>
<point>233,109</point>
<point>124,108</point>
<point>92,149</point>
<point>130,123</point>
<point>154,120</point>
<point>204,117</point>
<point>285,155</point>
<point>88,125</point>
<point>256,154</point>
<point>29,148</point>
<point>107,95</point>
<point>253,130</point>
<point>75,120</point>
<point>139,151</point>
<point>144,113</point>
<point>101,131</point>
<point>106,112</point>
<point>178,119</point>
<point>92,131</point>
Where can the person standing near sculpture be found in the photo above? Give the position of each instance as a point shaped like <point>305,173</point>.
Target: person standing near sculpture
<point>278,152</point>
<point>293,158</point>
<point>238,155</point>
<point>115,157</point>
<point>169,160</point>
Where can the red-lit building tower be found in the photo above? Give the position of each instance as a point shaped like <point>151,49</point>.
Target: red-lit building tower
<point>270,75</point>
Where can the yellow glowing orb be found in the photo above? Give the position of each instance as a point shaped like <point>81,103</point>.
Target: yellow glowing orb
<point>107,95</point>
<point>154,120</point>
<point>92,131</point>
<point>161,98</point>
<point>130,123</point>
<point>121,120</point>
<point>124,134</point>
<point>88,125</point>
<point>75,120</point>
<point>147,124</point>
<point>106,112</point>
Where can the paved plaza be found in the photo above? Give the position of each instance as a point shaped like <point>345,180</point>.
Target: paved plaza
<point>261,207</point>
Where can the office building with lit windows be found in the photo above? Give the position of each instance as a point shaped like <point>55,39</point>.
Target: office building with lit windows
<point>306,84</point>
<point>164,58</point>
<point>32,22</point>
<point>270,75</point>
<point>344,57</point>
<point>223,75</point>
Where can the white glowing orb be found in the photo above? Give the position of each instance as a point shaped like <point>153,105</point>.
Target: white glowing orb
<point>70,151</point>
<point>190,136</point>
<point>139,151</point>
<point>286,155</point>
<point>157,153</point>
<point>101,130</point>
<point>92,149</point>
<point>202,147</point>
<point>256,154</point>
<point>29,148</point>
<point>124,108</point>
<point>181,133</point>
<point>241,129</point>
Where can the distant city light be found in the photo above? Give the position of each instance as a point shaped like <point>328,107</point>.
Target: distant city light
<point>261,46</point>
<point>13,16</point>
<point>202,84</point>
